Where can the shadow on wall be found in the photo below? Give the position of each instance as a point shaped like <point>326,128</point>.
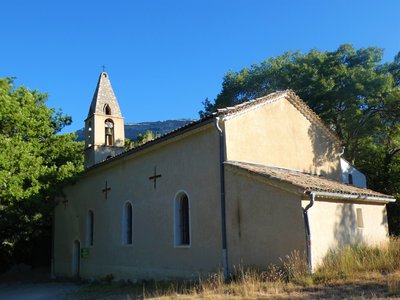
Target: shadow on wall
<point>324,151</point>
<point>346,229</point>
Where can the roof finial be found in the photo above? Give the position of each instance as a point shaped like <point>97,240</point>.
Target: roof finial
<point>104,68</point>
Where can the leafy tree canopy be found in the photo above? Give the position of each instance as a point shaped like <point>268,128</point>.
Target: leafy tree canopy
<point>35,163</point>
<point>352,90</point>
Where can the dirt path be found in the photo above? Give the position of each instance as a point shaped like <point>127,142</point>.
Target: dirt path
<point>36,291</point>
<point>24,283</point>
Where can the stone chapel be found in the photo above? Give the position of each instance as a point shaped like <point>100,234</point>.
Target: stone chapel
<point>244,186</point>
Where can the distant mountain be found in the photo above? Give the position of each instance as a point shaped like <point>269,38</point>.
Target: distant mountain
<point>132,130</point>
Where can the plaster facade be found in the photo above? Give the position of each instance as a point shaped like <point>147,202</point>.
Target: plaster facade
<point>188,164</point>
<point>348,170</point>
<point>278,134</point>
<point>264,222</point>
<point>336,224</point>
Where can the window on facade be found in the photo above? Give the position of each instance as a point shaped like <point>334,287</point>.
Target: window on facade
<point>182,220</point>
<point>127,224</point>
<point>107,109</point>
<point>89,134</point>
<point>360,220</point>
<point>89,228</point>
<point>350,178</point>
<point>109,132</point>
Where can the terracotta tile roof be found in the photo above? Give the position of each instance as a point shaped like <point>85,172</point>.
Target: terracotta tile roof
<point>307,182</point>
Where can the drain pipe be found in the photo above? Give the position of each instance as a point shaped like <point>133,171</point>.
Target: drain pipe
<point>223,209</point>
<point>307,228</point>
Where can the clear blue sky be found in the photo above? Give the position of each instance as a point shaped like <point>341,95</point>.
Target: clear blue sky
<point>165,57</point>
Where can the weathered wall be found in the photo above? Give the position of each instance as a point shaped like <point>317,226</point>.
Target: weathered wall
<point>189,164</point>
<point>264,223</point>
<point>334,224</point>
<point>277,134</point>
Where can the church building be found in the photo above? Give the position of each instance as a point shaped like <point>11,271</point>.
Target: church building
<point>244,186</point>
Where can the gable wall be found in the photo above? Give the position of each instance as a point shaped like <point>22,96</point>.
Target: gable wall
<point>190,164</point>
<point>277,134</point>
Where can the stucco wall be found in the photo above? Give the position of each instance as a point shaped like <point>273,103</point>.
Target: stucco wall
<point>189,164</point>
<point>359,178</point>
<point>277,134</point>
<point>334,224</point>
<point>97,138</point>
<point>264,223</point>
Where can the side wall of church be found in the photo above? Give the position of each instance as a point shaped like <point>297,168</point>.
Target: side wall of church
<point>278,134</point>
<point>190,165</point>
<point>264,223</point>
<point>337,224</point>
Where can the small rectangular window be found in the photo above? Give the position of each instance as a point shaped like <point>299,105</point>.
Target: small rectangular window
<point>360,221</point>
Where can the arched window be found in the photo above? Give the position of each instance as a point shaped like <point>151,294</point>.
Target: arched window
<point>107,109</point>
<point>182,220</point>
<point>127,224</point>
<point>89,228</point>
<point>109,132</point>
<point>350,178</point>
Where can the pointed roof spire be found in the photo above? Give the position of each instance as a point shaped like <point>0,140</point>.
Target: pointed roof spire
<point>103,96</point>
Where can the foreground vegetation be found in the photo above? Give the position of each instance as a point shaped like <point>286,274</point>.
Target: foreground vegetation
<point>36,162</point>
<point>352,272</point>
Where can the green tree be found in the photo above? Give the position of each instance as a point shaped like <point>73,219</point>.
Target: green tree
<point>35,163</point>
<point>140,140</point>
<point>352,90</point>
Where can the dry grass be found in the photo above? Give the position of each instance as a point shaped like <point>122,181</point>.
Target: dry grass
<point>354,272</point>
<point>350,261</point>
<point>393,282</point>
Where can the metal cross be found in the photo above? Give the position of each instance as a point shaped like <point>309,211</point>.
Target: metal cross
<point>105,190</point>
<point>154,177</point>
<point>104,68</point>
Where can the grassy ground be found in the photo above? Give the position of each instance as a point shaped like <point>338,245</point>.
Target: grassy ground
<point>352,273</point>
<point>364,286</point>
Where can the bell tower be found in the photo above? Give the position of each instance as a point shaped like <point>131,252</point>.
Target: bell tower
<point>104,125</point>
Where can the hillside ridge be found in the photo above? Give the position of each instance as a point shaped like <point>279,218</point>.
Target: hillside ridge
<point>132,130</point>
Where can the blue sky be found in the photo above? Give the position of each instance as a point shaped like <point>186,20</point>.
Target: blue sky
<point>165,57</point>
